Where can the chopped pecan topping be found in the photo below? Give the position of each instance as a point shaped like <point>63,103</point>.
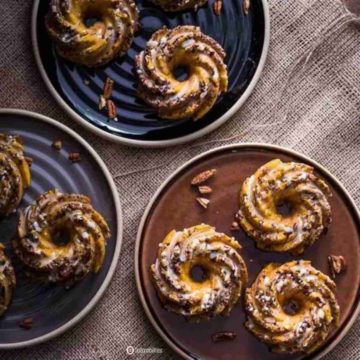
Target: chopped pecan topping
<point>102,102</point>
<point>57,144</point>
<point>223,336</point>
<point>203,176</point>
<point>337,264</point>
<point>74,157</point>
<point>234,226</point>
<point>205,189</point>
<point>203,202</point>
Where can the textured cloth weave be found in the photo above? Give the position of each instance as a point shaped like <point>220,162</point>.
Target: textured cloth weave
<point>316,113</point>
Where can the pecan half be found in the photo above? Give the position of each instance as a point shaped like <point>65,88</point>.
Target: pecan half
<point>337,264</point>
<point>203,202</point>
<point>223,336</point>
<point>108,88</point>
<point>205,189</point>
<point>203,176</point>
<point>246,6</point>
<point>218,6</point>
<point>112,112</point>
<point>27,323</point>
<point>74,157</point>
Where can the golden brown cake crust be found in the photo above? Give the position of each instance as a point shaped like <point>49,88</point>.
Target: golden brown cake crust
<point>7,281</point>
<point>292,307</point>
<point>61,237</point>
<point>14,173</point>
<point>188,47</point>
<point>109,37</point>
<point>295,184</point>
<point>217,254</point>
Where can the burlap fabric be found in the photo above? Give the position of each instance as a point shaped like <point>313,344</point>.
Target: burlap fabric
<point>316,113</point>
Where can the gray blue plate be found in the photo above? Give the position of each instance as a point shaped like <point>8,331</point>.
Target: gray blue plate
<point>53,308</point>
<point>244,37</point>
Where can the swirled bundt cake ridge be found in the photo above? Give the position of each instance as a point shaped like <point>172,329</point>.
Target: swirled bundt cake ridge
<point>217,254</point>
<point>14,173</point>
<point>97,44</point>
<point>183,46</point>
<point>292,307</point>
<point>7,281</point>
<point>291,183</point>
<point>61,237</point>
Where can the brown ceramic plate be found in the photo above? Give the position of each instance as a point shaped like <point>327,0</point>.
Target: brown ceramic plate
<point>174,207</point>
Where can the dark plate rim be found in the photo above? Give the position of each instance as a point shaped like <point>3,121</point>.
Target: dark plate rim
<point>93,301</point>
<point>243,146</point>
<point>148,143</point>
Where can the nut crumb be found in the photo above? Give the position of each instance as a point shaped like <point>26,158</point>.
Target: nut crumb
<point>203,202</point>
<point>102,102</point>
<point>205,189</point>
<point>337,264</point>
<point>57,144</point>
<point>223,336</point>
<point>27,323</point>
<point>218,6</point>
<point>29,160</point>
<point>87,82</point>
<point>74,157</point>
<point>234,226</point>
<point>203,176</point>
<point>108,88</point>
<point>246,6</point>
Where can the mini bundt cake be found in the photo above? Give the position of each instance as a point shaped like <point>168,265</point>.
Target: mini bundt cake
<point>14,173</point>
<point>92,45</point>
<point>292,307</point>
<point>181,47</point>
<point>217,254</point>
<point>178,5</point>
<point>61,238</point>
<point>7,281</point>
<point>278,185</point>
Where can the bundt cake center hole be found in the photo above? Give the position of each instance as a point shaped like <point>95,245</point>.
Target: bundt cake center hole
<point>181,73</point>
<point>285,207</point>
<point>198,273</point>
<point>61,237</point>
<point>291,306</point>
<point>91,20</point>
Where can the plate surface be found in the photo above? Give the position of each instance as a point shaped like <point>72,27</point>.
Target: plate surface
<point>77,89</point>
<point>174,207</point>
<point>53,308</point>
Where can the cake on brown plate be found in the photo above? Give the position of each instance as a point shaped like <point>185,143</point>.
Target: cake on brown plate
<point>284,206</point>
<point>14,173</point>
<point>224,272</point>
<point>7,281</point>
<point>292,307</point>
<point>92,43</point>
<point>61,238</point>
<point>188,48</point>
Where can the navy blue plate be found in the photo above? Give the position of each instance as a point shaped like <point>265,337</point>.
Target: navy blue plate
<point>244,37</point>
<point>53,308</point>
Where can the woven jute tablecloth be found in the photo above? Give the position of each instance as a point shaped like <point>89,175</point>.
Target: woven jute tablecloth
<point>310,104</point>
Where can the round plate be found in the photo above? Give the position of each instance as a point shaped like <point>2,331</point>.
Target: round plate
<point>54,309</point>
<point>174,207</point>
<point>77,89</point>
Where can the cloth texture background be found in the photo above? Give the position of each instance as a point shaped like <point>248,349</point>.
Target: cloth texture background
<point>309,104</point>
